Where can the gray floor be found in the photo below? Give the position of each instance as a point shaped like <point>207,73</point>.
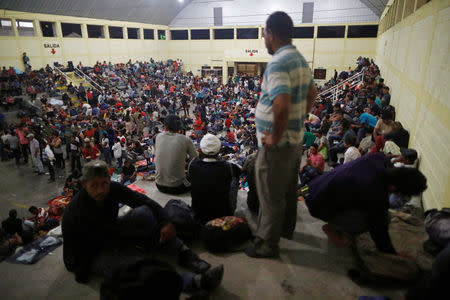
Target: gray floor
<point>309,268</point>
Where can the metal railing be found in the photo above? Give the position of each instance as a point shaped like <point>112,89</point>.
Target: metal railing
<point>94,84</point>
<point>64,74</point>
<point>353,81</point>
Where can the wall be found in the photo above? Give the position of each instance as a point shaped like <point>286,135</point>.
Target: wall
<point>255,12</point>
<point>329,54</point>
<point>326,53</point>
<point>413,55</point>
<point>86,50</point>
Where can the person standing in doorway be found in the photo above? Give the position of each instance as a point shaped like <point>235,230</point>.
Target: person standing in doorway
<point>287,95</point>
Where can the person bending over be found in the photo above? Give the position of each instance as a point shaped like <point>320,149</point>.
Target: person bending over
<point>354,198</point>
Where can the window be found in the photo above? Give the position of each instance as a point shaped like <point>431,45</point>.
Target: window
<point>247,33</point>
<point>6,27</point>
<point>95,31</point>
<point>362,31</point>
<point>48,29</point>
<point>179,35</point>
<point>149,34</point>
<point>25,28</point>
<point>161,34</point>
<point>331,32</point>
<point>303,33</point>
<point>71,30</point>
<point>115,32</point>
<point>133,33</point>
<point>223,34</point>
<point>199,34</point>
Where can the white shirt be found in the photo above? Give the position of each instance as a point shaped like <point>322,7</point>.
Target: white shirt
<point>351,154</point>
<point>105,141</point>
<point>49,153</point>
<point>34,145</point>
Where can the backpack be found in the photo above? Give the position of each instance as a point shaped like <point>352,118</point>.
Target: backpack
<point>225,233</point>
<point>182,217</point>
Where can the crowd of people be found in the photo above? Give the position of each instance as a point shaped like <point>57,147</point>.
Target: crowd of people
<point>201,135</point>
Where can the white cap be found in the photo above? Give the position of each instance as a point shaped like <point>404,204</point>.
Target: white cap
<point>87,140</point>
<point>210,144</point>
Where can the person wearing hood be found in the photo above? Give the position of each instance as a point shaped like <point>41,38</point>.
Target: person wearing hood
<point>214,182</point>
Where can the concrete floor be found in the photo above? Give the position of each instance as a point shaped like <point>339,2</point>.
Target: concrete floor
<point>309,266</point>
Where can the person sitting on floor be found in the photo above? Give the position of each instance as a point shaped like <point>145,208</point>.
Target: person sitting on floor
<point>352,152</point>
<point>72,184</point>
<point>41,219</point>
<point>354,198</point>
<point>128,175</point>
<point>8,244</point>
<point>322,141</point>
<point>171,151</point>
<point>366,143</point>
<point>346,132</point>
<point>308,139</point>
<point>90,151</point>
<point>12,224</point>
<point>94,234</point>
<point>385,125</point>
<point>214,183</point>
<point>314,167</point>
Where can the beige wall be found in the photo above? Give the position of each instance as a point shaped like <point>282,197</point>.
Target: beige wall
<point>329,54</point>
<point>413,56</point>
<point>86,50</point>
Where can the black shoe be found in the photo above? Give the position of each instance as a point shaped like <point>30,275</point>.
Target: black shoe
<point>212,278</point>
<point>191,261</point>
<point>262,250</point>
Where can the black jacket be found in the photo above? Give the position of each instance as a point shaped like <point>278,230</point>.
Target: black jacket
<point>86,226</point>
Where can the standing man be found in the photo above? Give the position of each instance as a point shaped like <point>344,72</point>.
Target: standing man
<point>287,95</point>
<point>23,141</point>
<point>35,154</point>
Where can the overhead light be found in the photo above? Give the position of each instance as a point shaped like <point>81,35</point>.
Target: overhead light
<point>181,1</point>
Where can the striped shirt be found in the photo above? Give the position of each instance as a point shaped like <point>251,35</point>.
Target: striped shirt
<point>286,73</point>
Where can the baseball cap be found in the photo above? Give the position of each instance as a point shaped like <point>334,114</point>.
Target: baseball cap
<point>95,168</point>
<point>30,135</point>
<point>210,144</point>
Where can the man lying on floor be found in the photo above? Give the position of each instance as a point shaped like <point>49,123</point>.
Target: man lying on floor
<point>354,198</point>
<point>93,232</point>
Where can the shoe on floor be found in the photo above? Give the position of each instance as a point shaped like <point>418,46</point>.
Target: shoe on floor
<point>191,261</point>
<point>262,250</point>
<point>212,278</point>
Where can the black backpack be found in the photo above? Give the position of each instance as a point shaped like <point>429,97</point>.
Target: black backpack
<point>225,234</point>
<point>182,217</point>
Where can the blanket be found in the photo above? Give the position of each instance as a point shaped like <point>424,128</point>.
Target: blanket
<point>35,251</point>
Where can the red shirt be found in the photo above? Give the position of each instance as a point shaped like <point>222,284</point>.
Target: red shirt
<point>228,123</point>
<point>230,137</point>
<point>91,153</point>
<point>198,124</point>
<point>318,160</point>
<point>89,133</point>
